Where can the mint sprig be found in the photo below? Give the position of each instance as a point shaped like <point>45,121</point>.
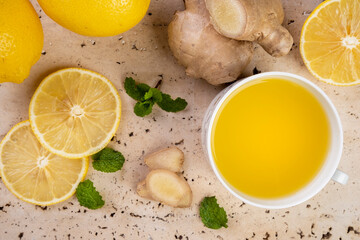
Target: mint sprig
<point>88,196</point>
<point>147,97</point>
<point>108,160</point>
<point>212,215</point>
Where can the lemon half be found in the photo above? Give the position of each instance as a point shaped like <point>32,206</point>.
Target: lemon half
<point>75,112</point>
<point>330,42</point>
<point>35,175</point>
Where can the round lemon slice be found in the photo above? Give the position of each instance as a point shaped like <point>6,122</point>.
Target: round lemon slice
<point>35,175</point>
<point>330,42</point>
<point>75,112</point>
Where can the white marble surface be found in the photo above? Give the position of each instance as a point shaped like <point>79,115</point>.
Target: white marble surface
<point>143,52</point>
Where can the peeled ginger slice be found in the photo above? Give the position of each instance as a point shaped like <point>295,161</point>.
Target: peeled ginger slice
<point>168,188</point>
<point>169,158</point>
<point>142,191</point>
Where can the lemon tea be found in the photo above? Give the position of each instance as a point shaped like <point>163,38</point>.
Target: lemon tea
<point>270,138</point>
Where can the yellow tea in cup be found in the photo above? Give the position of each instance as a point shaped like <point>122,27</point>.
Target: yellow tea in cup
<point>270,138</point>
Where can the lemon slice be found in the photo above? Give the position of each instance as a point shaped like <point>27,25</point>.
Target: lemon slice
<point>75,112</point>
<point>330,42</point>
<point>35,175</point>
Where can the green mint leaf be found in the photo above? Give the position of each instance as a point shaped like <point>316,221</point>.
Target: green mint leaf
<point>108,160</point>
<point>148,95</point>
<point>88,196</point>
<point>157,95</point>
<point>143,88</point>
<point>153,93</point>
<point>136,91</point>
<point>142,109</point>
<point>212,215</point>
<point>170,105</point>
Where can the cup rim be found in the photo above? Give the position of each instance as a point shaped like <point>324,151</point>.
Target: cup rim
<point>285,76</point>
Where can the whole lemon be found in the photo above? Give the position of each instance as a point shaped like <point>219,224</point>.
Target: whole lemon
<point>21,40</point>
<point>99,18</point>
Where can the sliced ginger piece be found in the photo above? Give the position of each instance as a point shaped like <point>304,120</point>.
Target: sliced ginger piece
<point>168,188</point>
<point>142,191</point>
<point>229,16</point>
<point>185,201</point>
<point>169,158</point>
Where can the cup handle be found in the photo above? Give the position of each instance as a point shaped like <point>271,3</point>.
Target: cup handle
<point>340,177</point>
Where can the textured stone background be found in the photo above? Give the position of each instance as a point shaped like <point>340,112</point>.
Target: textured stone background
<point>143,52</point>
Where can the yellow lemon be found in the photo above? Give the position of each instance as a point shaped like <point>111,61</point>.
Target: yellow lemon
<point>21,40</point>
<point>98,18</point>
<point>75,112</point>
<point>330,42</point>
<point>35,175</point>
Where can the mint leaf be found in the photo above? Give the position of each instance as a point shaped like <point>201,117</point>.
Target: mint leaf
<point>170,105</point>
<point>153,94</point>
<point>143,88</point>
<point>157,95</point>
<point>108,160</point>
<point>136,91</point>
<point>148,95</point>
<point>212,215</point>
<point>142,109</point>
<point>88,196</point>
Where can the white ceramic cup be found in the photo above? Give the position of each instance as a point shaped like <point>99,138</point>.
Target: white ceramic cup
<point>329,169</point>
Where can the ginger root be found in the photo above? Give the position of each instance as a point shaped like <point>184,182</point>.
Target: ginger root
<point>142,190</point>
<point>204,52</point>
<point>168,188</point>
<point>252,20</point>
<point>162,183</point>
<point>169,158</point>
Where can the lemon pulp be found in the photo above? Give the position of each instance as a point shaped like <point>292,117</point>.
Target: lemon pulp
<point>330,42</point>
<point>35,175</point>
<point>75,112</point>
